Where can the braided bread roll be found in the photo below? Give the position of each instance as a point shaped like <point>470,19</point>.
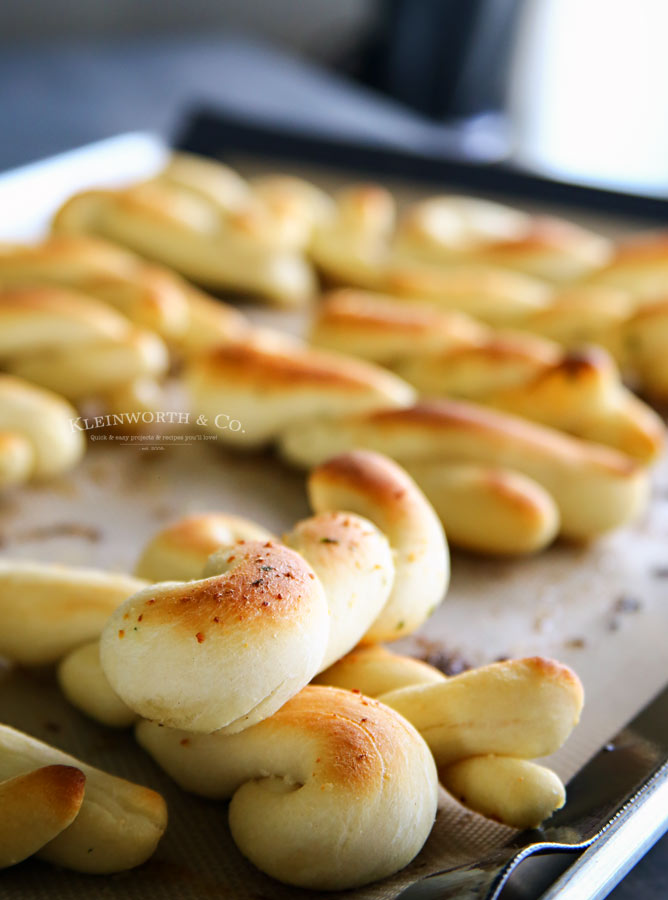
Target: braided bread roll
<point>482,726</point>
<point>178,224</point>
<point>36,436</point>
<point>266,387</point>
<point>74,345</point>
<point>332,792</point>
<point>499,297</point>
<point>148,296</point>
<point>151,297</point>
<point>595,488</point>
<point>47,610</point>
<point>227,650</point>
<point>115,825</point>
<point>447,229</point>
<point>222,652</point>
<point>447,354</point>
<point>179,552</point>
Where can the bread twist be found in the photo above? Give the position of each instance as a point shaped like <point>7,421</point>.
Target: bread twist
<point>449,229</point>
<point>482,726</point>
<point>447,354</point>
<point>36,436</point>
<point>149,296</point>
<point>74,345</point>
<point>198,655</point>
<point>71,814</point>
<point>297,397</point>
<point>333,791</point>
<point>595,488</point>
<point>196,218</point>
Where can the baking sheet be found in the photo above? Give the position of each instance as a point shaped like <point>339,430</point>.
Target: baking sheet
<point>603,609</point>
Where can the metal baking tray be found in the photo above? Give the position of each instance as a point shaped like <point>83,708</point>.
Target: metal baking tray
<point>569,602</point>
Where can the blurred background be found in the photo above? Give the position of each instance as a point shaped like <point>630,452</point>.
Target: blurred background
<point>575,89</point>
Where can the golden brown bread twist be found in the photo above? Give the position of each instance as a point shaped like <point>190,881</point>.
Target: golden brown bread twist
<point>447,354</point>
<point>482,726</point>
<point>197,218</point>
<point>89,821</point>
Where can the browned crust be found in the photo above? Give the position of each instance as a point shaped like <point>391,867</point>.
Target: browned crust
<point>442,415</point>
<point>266,581</point>
<point>59,790</point>
<point>642,248</point>
<point>360,739</point>
<point>274,370</point>
<point>368,473</point>
<point>199,533</point>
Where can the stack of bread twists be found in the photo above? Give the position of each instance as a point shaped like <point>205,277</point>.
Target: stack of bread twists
<point>88,321</point>
<point>266,237</point>
<point>500,485</point>
<point>240,675</point>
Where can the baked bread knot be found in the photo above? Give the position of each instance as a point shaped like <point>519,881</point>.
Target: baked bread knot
<point>73,344</point>
<point>179,552</point>
<point>224,651</point>
<point>483,726</point>
<point>178,219</point>
<point>351,245</point>
<point>71,814</point>
<point>46,610</point>
<point>595,488</point>
<point>152,298</point>
<point>446,354</point>
<point>335,790</point>
<point>36,435</point>
<point>444,229</point>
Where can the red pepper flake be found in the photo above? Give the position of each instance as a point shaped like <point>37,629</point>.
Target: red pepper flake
<point>363,719</point>
<point>140,617</point>
<point>279,596</point>
<point>311,575</point>
<point>216,619</point>
<point>318,759</point>
<point>121,633</point>
<point>268,544</point>
<point>184,742</point>
<point>356,691</point>
<point>151,601</point>
<point>231,558</point>
<point>200,637</point>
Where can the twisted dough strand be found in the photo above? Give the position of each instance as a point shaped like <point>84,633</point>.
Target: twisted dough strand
<point>482,726</point>
<point>446,354</point>
<point>36,436</point>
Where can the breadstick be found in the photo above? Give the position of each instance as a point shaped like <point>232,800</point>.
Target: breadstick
<point>118,824</point>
